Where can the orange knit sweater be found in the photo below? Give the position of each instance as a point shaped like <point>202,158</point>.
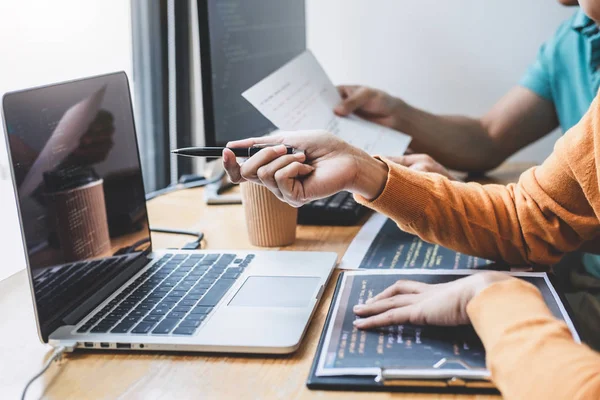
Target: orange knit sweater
<point>553,209</point>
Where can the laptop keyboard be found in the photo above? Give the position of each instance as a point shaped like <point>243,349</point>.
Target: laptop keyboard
<point>173,296</point>
<point>338,210</point>
<point>57,285</point>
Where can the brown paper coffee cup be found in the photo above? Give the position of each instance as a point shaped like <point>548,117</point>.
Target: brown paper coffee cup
<point>270,222</point>
<point>81,223</point>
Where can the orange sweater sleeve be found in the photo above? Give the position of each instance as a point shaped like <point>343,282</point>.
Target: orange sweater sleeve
<point>530,354</point>
<point>553,208</point>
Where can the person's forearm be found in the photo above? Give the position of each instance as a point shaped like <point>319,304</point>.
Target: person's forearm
<point>457,142</point>
<point>531,354</point>
<point>553,209</point>
<point>371,176</point>
<point>519,118</point>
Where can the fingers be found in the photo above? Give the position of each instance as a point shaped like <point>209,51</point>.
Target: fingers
<point>377,307</point>
<point>397,159</point>
<point>231,166</point>
<point>355,100</point>
<point>400,287</point>
<point>273,168</point>
<point>422,167</point>
<point>409,159</point>
<point>288,182</point>
<point>395,316</point>
<point>249,168</point>
<point>423,163</point>
<point>266,173</point>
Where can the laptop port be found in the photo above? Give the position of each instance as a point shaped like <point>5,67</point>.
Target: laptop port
<point>104,345</point>
<point>88,344</point>
<point>123,345</point>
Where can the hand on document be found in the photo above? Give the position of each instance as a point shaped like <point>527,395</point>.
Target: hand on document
<point>326,166</point>
<point>419,303</point>
<point>381,108</point>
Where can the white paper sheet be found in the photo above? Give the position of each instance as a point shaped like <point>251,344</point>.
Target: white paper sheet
<point>63,141</point>
<point>362,241</point>
<point>300,96</point>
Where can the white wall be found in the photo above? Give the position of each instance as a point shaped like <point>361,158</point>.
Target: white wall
<point>45,41</point>
<point>454,56</point>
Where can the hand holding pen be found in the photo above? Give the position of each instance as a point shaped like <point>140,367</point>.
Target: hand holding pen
<point>326,166</point>
<point>238,151</point>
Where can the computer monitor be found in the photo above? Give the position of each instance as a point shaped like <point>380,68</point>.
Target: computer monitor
<point>241,42</point>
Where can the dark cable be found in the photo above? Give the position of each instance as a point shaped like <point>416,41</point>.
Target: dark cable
<point>188,246</point>
<point>55,356</point>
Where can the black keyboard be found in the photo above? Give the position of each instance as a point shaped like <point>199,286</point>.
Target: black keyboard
<point>173,296</point>
<point>55,286</point>
<point>339,209</point>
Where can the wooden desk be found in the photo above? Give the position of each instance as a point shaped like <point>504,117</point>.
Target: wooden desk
<point>110,375</point>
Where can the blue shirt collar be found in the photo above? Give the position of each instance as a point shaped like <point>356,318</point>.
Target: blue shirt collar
<point>589,29</point>
<point>581,20</point>
<point>584,24</point>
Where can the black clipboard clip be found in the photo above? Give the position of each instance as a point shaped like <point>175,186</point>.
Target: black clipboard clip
<point>403,376</point>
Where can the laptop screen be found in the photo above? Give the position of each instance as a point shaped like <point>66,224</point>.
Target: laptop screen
<point>79,187</point>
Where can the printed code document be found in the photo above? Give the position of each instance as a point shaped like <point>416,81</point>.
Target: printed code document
<point>300,96</point>
<point>381,244</point>
<point>409,351</point>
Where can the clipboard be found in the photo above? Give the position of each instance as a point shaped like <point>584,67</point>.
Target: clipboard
<point>386,380</point>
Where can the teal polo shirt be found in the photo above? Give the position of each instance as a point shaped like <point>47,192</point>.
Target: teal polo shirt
<point>566,72</point>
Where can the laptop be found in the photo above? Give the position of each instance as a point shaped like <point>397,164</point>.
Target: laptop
<point>96,280</point>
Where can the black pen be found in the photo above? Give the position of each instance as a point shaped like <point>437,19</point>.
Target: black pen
<point>218,151</point>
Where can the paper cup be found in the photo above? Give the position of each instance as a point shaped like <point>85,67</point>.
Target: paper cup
<point>270,222</point>
<point>81,223</point>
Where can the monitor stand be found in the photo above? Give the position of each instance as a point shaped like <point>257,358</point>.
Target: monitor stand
<point>213,193</point>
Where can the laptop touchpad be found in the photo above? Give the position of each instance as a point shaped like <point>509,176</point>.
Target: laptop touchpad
<point>276,291</point>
